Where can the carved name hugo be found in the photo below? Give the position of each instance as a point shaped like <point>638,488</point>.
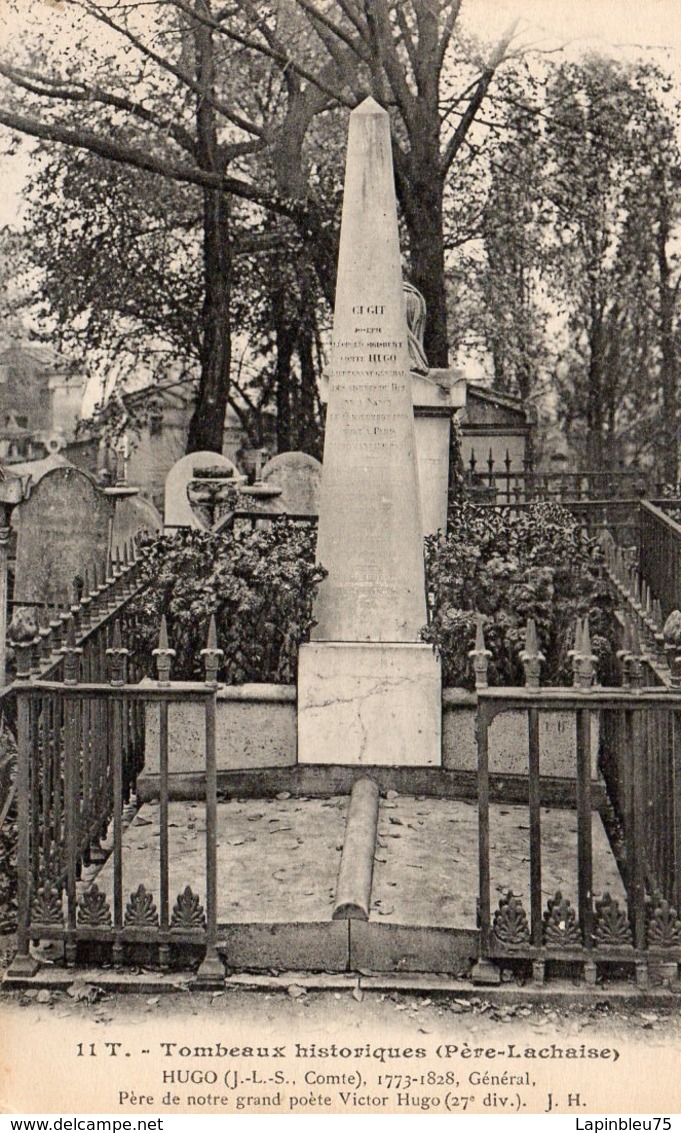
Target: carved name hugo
<point>369,377</point>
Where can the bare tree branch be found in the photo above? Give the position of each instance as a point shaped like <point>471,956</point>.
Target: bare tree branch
<point>476,101</point>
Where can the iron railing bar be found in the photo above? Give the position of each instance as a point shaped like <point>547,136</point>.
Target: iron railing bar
<point>584,813</point>
<point>163,813</point>
<point>116,758</point>
<point>535,826</point>
<point>639,862</point>
<point>23,780</point>
<point>71,777</point>
<point>483,831</point>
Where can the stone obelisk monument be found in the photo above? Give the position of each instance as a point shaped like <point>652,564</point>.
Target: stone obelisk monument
<point>368,690</point>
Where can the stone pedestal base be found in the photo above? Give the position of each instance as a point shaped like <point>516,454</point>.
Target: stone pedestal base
<point>365,704</point>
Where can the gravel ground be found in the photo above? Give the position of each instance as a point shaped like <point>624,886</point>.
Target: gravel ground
<point>47,1072</point>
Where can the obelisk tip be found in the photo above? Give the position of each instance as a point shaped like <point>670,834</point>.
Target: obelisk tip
<point>370,106</point>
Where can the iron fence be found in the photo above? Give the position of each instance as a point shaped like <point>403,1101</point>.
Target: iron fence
<point>80,748</point>
<point>639,736</point>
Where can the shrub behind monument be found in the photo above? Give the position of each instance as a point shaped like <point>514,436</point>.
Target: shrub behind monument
<point>260,585</point>
<point>508,568</point>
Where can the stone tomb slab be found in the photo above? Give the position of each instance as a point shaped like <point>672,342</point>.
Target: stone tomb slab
<point>278,862</point>
<point>278,859</point>
<point>373,704</point>
<point>426,863</point>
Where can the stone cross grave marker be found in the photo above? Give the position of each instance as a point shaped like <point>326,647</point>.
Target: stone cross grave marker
<point>178,511</point>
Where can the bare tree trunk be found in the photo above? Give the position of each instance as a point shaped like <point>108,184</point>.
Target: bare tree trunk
<point>428,269</point>
<point>208,421</point>
<point>668,366</point>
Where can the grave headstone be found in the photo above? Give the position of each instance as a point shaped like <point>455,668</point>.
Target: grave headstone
<point>62,528</point>
<point>368,690</point>
<point>299,476</point>
<point>178,510</point>
<point>134,515</point>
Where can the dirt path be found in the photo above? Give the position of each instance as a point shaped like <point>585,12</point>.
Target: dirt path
<point>407,1052</point>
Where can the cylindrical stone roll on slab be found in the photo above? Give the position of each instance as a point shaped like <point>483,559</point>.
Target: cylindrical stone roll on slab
<point>353,888</point>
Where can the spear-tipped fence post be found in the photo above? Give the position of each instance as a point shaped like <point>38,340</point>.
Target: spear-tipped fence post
<point>672,641</point>
<point>212,654</point>
<point>587,665</point>
<point>97,605</point>
<point>531,657</point>
<point>118,658</point>
<point>648,621</point>
<point>636,591</point>
<point>111,587</point>
<point>164,655</point>
<point>36,647</point>
<point>102,587</point>
<point>71,654</point>
<point>659,624</point>
<point>575,654</point>
<point>624,654</point>
<point>133,563</point>
<point>85,602</point>
<point>45,634</point>
<point>22,633</point>
<point>76,592</point>
<point>122,571</point>
<point>636,666</point>
<point>56,625</point>
<point>65,619</point>
<point>480,656</point>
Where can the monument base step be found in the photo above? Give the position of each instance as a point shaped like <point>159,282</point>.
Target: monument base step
<point>365,703</point>
<point>323,781</point>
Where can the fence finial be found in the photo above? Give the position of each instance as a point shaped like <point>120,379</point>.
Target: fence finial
<point>85,601</point>
<point>575,654</point>
<point>480,655</point>
<point>71,654</point>
<point>587,662</point>
<point>531,657</point>
<point>672,646</point>
<point>658,622</point>
<point>635,656</point>
<point>22,631</point>
<point>101,589</point>
<point>118,655</point>
<point>212,654</point>
<point>45,634</point>
<point>163,654</point>
<point>583,660</point>
<point>624,653</point>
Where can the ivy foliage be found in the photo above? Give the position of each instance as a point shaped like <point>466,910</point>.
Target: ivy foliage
<point>507,568</point>
<point>259,584</point>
